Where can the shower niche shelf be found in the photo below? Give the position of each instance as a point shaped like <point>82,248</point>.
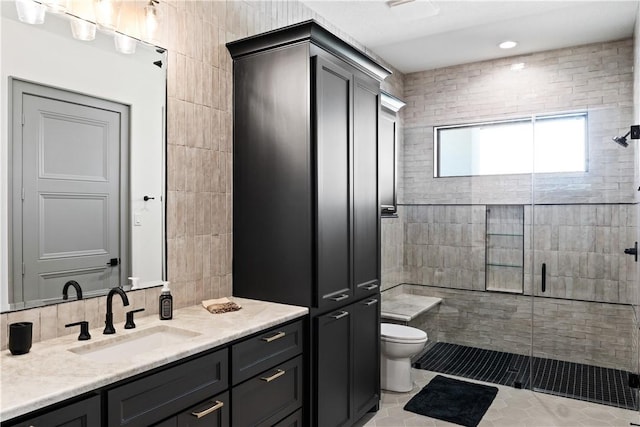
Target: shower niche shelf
<point>504,252</point>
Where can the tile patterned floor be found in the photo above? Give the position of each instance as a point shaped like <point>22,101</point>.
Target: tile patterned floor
<point>512,407</point>
<point>567,379</point>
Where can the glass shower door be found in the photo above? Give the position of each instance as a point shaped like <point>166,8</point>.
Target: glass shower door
<point>583,285</point>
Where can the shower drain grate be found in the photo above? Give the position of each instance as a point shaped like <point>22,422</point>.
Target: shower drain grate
<point>567,379</point>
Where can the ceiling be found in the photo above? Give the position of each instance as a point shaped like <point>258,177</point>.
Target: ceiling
<point>422,34</point>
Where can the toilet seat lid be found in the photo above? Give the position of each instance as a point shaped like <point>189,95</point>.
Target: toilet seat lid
<point>394,332</point>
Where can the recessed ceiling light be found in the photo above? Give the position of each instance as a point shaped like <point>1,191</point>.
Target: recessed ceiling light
<point>508,44</point>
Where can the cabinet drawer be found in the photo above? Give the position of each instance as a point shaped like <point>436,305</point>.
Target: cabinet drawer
<point>83,413</point>
<point>269,396</point>
<point>213,412</point>
<point>158,396</point>
<point>256,354</point>
<point>293,420</point>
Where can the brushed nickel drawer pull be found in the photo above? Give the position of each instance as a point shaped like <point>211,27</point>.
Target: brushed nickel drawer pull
<point>340,315</point>
<point>207,411</point>
<point>370,287</point>
<point>371,302</point>
<point>278,335</point>
<point>339,297</point>
<point>278,374</point>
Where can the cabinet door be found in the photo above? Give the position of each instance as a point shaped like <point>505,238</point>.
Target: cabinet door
<point>366,215</point>
<point>272,177</point>
<point>254,355</point>
<point>332,376</point>
<point>333,205</point>
<point>268,397</point>
<point>157,396</point>
<point>210,413</point>
<point>365,322</point>
<point>85,413</point>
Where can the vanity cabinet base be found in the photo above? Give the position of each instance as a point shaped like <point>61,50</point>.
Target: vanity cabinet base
<point>84,413</point>
<point>254,381</point>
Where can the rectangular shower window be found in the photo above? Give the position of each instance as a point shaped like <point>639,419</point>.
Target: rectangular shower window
<point>541,144</point>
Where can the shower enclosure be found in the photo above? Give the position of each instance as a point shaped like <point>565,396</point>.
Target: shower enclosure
<point>515,206</point>
<point>537,288</point>
<point>580,273</point>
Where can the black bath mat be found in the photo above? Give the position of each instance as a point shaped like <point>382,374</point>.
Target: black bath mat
<point>452,400</point>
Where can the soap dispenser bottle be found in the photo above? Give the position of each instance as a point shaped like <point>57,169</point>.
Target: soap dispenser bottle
<point>166,303</point>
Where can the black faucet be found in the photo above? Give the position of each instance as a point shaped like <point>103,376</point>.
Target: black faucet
<point>108,328</point>
<point>75,285</point>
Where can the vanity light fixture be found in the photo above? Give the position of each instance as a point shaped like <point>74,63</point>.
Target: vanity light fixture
<point>509,44</point>
<point>151,19</point>
<point>82,30</point>
<point>107,14</point>
<point>517,67</point>
<point>125,44</point>
<point>85,16</point>
<point>30,11</point>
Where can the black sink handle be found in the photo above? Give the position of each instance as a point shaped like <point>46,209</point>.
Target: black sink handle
<point>84,330</point>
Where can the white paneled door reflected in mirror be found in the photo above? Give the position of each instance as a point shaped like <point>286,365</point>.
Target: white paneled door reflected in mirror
<point>83,172</point>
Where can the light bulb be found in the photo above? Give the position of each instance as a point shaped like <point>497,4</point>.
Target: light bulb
<point>107,13</point>
<point>82,30</point>
<point>151,19</point>
<point>30,12</point>
<point>125,44</point>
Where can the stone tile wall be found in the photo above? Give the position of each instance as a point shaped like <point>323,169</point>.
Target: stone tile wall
<point>583,249</point>
<point>585,315</point>
<point>581,245</point>
<point>577,331</point>
<point>596,78</point>
<point>199,153</point>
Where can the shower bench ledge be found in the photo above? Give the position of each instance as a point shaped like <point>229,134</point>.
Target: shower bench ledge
<point>406,307</point>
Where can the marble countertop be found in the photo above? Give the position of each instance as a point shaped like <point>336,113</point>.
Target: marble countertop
<point>406,307</point>
<point>50,373</point>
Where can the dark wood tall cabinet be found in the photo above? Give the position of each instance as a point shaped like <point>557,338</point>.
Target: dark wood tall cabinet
<point>306,220</point>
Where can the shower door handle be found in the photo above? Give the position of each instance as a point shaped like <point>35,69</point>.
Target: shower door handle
<point>544,277</point>
<point>633,251</point>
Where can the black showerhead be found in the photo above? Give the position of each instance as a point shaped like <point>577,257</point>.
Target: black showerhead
<point>622,140</point>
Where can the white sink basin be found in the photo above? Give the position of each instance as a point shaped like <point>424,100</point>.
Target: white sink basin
<point>143,341</point>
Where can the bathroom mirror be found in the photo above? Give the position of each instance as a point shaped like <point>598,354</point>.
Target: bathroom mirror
<point>43,65</point>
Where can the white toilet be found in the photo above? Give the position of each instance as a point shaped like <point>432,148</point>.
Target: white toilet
<point>398,344</point>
